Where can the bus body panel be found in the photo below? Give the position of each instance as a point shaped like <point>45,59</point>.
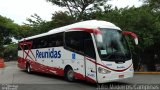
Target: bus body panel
<point>55,65</point>
<point>117,71</point>
<point>53,60</point>
<point>77,62</point>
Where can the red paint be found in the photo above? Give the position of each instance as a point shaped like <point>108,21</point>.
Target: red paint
<point>79,76</point>
<point>129,33</point>
<point>29,45</point>
<point>46,69</point>
<point>82,77</point>
<point>39,67</point>
<point>21,63</point>
<point>90,80</point>
<point>106,66</point>
<point>95,31</point>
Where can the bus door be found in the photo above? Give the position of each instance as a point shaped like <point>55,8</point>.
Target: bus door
<point>90,60</point>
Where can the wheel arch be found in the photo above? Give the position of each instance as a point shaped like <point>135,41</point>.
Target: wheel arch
<point>67,67</point>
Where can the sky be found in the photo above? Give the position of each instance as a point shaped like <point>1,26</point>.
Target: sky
<point>19,10</point>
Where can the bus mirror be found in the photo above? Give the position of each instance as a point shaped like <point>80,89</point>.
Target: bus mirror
<point>99,38</point>
<point>133,35</point>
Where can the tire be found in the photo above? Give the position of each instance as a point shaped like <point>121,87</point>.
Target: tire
<point>28,68</point>
<point>69,75</point>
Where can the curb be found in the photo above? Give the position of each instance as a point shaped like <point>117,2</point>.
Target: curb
<point>146,72</point>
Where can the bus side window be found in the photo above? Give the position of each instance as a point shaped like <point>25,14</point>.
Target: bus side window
<point>74,41</point>
<point>89,49</point>
<point>81,42</point>
<point>59,39</point>
<point>58,43</point>
<point>39,43</point>
<point>55,40</point>
<point>19,46</point>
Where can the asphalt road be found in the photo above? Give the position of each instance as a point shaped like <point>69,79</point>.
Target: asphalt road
<point>13,78</point>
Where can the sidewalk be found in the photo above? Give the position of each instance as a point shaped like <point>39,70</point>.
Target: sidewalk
<point>147,72</point>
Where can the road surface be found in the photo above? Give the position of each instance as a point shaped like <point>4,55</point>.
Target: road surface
<point>13,78</point>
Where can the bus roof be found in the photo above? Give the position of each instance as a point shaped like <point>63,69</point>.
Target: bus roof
<point>91,24</point>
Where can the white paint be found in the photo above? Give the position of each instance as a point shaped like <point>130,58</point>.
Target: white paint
<point>136,41</point>
<point>91,24</point>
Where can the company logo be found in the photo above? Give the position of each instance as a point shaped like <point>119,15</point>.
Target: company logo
<point>51,53</point>
<point>120,67</point>
<point>73,55</point>
<point>90,75</point>
<point>108,64</point>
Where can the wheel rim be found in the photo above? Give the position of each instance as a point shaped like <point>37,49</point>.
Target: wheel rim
<point>70,75</point>
<point>28,68</point>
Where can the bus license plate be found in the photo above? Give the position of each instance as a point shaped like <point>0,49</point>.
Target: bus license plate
<point>121,76</point>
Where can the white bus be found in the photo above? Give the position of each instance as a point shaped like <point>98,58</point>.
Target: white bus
<point>94,50</point>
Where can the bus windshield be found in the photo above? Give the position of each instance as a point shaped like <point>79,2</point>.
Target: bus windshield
<point>114,46</point>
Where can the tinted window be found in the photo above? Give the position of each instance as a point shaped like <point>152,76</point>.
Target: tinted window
<point>54,40</point>
<point>80,42</point>
<point>114,46</point>
<point>89,48</point>
<point>19,48</point>
<point>25,47</point>
<point>74,41</point>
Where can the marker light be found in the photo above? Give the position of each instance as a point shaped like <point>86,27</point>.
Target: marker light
<point>103,71</point>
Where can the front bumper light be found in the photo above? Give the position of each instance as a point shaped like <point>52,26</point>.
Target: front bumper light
<point>103,71</point>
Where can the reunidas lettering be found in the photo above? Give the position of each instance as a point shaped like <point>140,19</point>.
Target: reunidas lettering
<point>51,53</point>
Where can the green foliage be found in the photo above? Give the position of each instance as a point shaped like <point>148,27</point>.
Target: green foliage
<point>61,19</point>
<point>37,25</point>
<point>10,52</point>
<point>78,8</point>
<point>154,4</point>
<point>144,21</point>
<point>8,29</point>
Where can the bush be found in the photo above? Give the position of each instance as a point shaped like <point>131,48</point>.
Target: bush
<point>10,52</point>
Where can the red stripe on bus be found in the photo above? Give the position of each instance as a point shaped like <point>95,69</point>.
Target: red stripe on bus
<point>107,67</point>
<point>50,70</point>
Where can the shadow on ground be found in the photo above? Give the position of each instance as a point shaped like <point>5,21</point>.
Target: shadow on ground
<point>79,82</point>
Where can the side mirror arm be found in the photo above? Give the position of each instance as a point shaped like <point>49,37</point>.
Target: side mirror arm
<point>133,35</point>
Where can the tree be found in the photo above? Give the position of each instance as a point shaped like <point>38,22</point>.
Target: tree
<point>10,51</point>
<point>77,8</point>
<point>35,26</point>
<point>60,19</point>
<point>8,29</point>
<point>143,21</point>
<point>155,4</point>
<point>24,31</point>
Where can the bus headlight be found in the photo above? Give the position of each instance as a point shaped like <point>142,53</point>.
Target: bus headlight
<point>103,71</point>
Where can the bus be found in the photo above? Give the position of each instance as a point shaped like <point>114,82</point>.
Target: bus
<point>94,50</point>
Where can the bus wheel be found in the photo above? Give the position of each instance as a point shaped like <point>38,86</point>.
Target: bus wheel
<point>69,74</point>
<point>28,68</point>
